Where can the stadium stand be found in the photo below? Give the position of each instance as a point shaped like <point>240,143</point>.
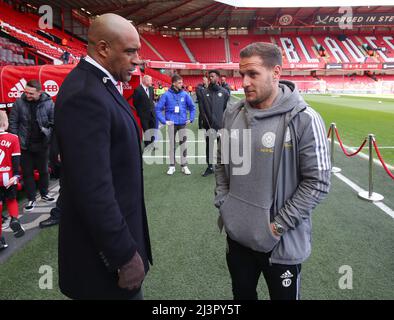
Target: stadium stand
<point>169,47</point>
<point>12,54</point>
<point>237,42</point>
<point>24,28</point>
<point>146,52</point>
<point>207,49</point>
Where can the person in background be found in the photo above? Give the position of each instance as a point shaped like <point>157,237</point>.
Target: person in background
<point>224,84</point>
<point>176,105</point>
<point>9,176</point>
<point>199,88</point>
<point>159,91</point>
<point>31,119</point>
<point>212,102</point>
<point>143,102</point>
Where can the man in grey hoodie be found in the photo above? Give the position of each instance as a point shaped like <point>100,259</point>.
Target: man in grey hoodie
<point>265,205</point>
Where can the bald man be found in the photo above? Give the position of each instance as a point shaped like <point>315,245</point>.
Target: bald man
<point>104,246</point>
<point>143,102</point>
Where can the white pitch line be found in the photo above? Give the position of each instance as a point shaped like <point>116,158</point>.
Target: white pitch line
<point>366,147</point>
<point>358,189</point>
<point>194,141</point>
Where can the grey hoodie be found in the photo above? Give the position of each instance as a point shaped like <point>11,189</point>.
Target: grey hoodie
<point>289,174</point>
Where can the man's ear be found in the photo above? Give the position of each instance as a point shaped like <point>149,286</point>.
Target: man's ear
<point>102,48</point>
<point>277,72</point>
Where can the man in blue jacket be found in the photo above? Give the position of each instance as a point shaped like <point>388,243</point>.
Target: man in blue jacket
<point>176,103</point>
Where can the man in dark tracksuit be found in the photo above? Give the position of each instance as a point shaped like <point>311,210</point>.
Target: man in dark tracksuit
<point>201,86</point>
<point>212,103</point>
<point>265,203</point>
<point>224,84</point>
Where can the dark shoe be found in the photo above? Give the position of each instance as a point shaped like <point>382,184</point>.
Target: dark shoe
<point>17,228</point>
<point>51,221</point>
<point>30,206</point>
<point>207,172</point>
<point>47,198</point>
<point>4,219</point>
<point>3,244</point>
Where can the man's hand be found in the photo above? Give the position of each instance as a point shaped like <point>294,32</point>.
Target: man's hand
<point>169,123</point>
<point>12,181</point>
<point>132,273</point>
<point>187,121</point>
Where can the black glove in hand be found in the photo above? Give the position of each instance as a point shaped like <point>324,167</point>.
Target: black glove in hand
<point>132,273</point>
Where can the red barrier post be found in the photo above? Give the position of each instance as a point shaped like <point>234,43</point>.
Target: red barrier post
<point>370,195</point>
<point>332,130</point>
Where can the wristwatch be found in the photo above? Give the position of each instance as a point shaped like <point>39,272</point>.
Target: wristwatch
<point>278,228</point>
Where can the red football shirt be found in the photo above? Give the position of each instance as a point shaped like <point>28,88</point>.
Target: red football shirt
<point>9,146</point>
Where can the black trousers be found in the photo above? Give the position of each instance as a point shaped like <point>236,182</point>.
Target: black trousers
<point>211,136</point>
<point>146,124</point>
<point>246,265</point>
<point>31,160</point>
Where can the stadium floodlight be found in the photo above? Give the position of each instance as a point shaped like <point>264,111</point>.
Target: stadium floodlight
<point>212,28</point>
<point>188,29</point>
<point>148,24</point>
<point>197,28</point>
<point>221,28</point>
<point>305,3</point>
<point>173,28</point>
<point>165,27</point>
<point>233,28</point>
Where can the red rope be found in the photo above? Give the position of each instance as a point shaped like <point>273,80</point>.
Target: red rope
<point>344,150</point>
<point>381,160</point>
<point>329,132</point>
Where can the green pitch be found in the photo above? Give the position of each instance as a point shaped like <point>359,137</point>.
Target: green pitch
<point>189,251</point>
<point>356,117</point>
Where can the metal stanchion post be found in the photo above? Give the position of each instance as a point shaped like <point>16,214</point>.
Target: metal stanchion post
<point>370,195</point>
<point>333,169</point>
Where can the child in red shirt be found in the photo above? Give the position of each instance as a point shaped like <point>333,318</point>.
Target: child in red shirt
<point>9,175</point>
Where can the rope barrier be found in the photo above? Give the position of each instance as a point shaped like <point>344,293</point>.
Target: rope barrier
<point>344,150</point>
<point>329,132</point>
<point>381,160</point>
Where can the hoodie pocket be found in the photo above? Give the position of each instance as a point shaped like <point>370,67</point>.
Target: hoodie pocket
<point>295,245</point>
<point>248,224</point>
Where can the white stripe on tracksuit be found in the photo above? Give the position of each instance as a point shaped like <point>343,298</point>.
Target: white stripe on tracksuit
<point>321,148</point>
<point>320,140</point>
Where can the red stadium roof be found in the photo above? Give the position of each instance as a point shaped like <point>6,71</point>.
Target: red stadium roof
<point>206,14</point>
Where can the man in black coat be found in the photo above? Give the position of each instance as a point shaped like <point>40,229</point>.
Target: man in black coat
<point>104,246</point>
<point>143,101</point>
